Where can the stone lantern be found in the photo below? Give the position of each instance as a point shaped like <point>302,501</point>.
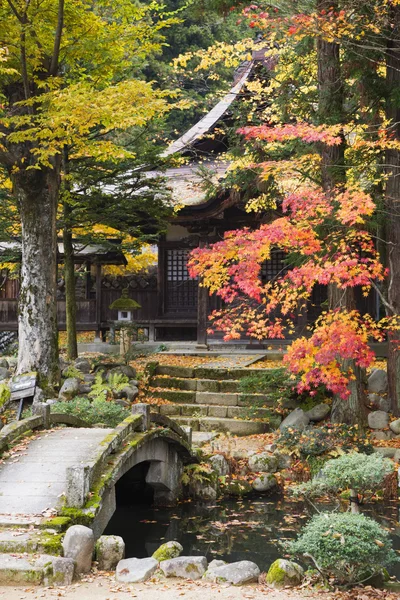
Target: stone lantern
<point>125,306</point>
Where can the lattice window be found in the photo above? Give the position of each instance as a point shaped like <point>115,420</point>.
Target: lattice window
<point>274,266</point>
<point>177,265</point>
<point>181,290</point>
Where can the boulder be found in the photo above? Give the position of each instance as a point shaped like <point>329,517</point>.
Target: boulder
<point>89,378</point>
<point>263,463</point>
<point>203,491</point>
<point>4,363</point>
<point>129,392</point>
<point>378,382</point>
<point>297,419</point>
<point>110,550</point>
<point>78,544</point>
<point>4,373</point>
<point>284,460</point>
<point>84,388</point>
<point>83,365</point>
<point>126,370</point>
<point>69,389</point>
<point>219,464</point>
<point>135,570</point>
<point>378,403</point>
<point>238,487</point>
<point>61,571</point>
<point>188,567</point>
<point>319,412</point>
<point>395,426</point>
<point>284,573</point>
<point>237,573</point>
<point>265,483</point>
<point>39,396</point>
<point>386,452</point>
<point>63,363</point>
<point>167,551</point>
<point>378,419</point>
<point>382,436</point>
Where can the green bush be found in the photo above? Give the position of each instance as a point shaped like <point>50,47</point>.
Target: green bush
<point>98,411</point>
<point>346,547</point>
<point>359,472</point>
<point>312,442</point>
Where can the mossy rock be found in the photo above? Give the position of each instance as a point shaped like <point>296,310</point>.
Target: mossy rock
<point>284,573</point>
<point>238,487</point>
<point>5,394</point>
<point>168,550</point>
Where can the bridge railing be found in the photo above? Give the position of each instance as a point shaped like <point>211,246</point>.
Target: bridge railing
<point>164,421</point>
<point>81,478</point>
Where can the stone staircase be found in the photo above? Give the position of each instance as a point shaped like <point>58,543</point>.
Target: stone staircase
<point>209,399</point>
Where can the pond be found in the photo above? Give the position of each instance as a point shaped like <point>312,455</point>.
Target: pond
<point>246,529</point>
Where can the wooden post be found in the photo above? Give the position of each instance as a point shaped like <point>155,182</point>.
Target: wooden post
<point>161,277</point>
<point>202,312</point>
<point>98,302</point>
<point>88,280</point>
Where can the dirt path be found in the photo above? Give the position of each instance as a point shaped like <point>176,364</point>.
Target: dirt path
<point>105,588</point>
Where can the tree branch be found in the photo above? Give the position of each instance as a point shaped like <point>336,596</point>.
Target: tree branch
<point>57,40</point>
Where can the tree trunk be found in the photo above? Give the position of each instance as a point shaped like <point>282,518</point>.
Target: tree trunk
<point>330,112</point>
<point>70,292</point>
<point>37,195</point>
<point>392,203</point>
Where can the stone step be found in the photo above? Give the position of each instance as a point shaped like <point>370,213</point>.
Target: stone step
<point>206,410</point>
<point>199,385</point>
<point>216,398</point>
<point>30,541</point>
<point>233,426</point>
<point>35,570</point>
<point>203,372</point>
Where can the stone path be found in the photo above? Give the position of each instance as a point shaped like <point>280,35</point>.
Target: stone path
<point>33,480</point>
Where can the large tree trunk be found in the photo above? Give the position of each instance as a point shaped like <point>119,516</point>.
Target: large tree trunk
<point>330,112</point>
<point>37,195</point>
<point>392,202</point>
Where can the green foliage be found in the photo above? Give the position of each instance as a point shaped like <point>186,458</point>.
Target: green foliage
<point>5,394</point>
<point>311,442</point>
<point>98,411</point>
<point>349,548</point>
<point>102,389</point>
<point>360,472</point>
<point>198,473</point>
<point>72,371</point>
<point>274,383</point>
<point>319,440</point>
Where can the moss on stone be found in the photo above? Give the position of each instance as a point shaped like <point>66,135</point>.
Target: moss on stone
<point>192,567</point>
<point>284,573</point>
<point>167,551</point>
<point>57,523</point>
<point>50,543</point>
<point>125,303</point>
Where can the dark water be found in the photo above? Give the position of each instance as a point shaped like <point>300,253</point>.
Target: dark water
<point>249,529</point>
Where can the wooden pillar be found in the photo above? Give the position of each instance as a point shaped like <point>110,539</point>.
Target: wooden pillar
<point>98,303</point>
<point>88,280</point>
<point>202,312</point>
<point>161,277</point>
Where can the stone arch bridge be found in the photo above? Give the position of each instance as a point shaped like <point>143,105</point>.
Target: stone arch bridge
<point>73,472</point>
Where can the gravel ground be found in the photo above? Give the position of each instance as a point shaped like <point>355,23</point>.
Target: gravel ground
<point>105,588</point>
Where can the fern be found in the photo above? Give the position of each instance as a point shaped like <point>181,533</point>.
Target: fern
<point>103,389</point>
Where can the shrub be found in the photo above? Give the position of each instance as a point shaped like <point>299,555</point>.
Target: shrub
<point>318,440</point>
<point>361,473</point>
<point>98,411</point>
<point>348,548</point>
